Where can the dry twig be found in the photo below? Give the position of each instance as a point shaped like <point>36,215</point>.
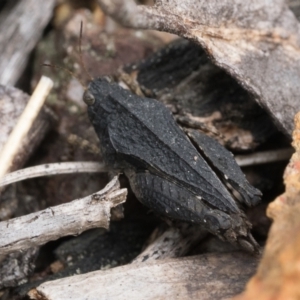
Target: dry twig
<point>264,157</point>
<point>67,219</point>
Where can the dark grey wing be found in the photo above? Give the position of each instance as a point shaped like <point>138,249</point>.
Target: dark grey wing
<point>144,129</point>
<point>224,161</point>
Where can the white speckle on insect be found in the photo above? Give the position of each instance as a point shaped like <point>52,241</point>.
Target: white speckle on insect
<point>195,157</point>
<point>204,221</point>
<point>199,197</point>
<point>226,177</point>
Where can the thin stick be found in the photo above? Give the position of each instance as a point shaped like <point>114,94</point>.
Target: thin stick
<point>95,167</point>
<point>66,219</point>
<point>53,169</point>
<point>24,124</point>
<point>264,157</point>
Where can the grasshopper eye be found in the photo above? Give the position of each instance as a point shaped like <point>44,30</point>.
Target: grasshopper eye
<point>88,98</point>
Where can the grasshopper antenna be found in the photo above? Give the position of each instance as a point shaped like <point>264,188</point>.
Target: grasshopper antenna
<point>81,62</point>
<point>66,70</point>
<point>80,53</point>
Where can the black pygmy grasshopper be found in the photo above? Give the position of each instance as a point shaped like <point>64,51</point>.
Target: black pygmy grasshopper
<point>165,170</point>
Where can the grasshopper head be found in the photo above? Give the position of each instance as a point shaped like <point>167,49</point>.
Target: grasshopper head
<point>97,89</point>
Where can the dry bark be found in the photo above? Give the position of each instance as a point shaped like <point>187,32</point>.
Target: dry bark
<point>201,95</point>
<point>278,274</point>
<point>22,25</point>
<point>256,43</point>
<point>67,219</point>
<point>211,276</point>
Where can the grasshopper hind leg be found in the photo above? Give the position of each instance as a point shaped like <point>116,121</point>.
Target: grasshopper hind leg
<point>172,201</point>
